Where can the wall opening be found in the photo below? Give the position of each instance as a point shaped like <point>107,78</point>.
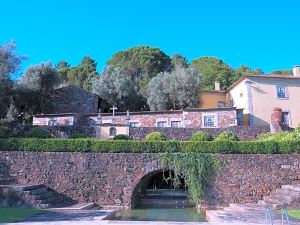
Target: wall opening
<point>154,190</point>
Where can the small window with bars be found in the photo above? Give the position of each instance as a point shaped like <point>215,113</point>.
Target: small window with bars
<point>221,104</point>
<point>175,124</point>
<point>134,124</point>
<point>210,121</point>
<point>281,92</point>
<point>161,124</point>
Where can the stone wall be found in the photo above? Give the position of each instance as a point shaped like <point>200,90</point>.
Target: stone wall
<point>242,132</point>
<point>110,179</point>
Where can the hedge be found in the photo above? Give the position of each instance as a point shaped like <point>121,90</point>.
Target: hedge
<point>95,145</point>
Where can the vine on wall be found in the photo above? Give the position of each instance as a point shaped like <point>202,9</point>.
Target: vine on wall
<point>194,168</point>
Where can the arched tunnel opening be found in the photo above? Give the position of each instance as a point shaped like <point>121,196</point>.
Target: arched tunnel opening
<point>156,189</point>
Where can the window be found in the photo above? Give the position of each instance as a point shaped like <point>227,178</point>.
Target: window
<point>134,124</point>
<point>112,131</point>
<point>52,122</point>
<point>221,104</point>
<point>210,121</point>
<point>286,118</point>
<point>175,124</point>
<point>161,124</point>
<point>281,92</point>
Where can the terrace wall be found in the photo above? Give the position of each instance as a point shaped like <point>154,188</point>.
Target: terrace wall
<point>109,179</point>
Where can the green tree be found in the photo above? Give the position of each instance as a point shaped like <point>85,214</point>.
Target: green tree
<point>117,88</point>
<point>35,87</point>
<point>62,69</point>
<point>80,75</point>
<point>282,72</point>
<point>212,69</point>
<point>6,86</point>
<point>174,90</point>
<point>179,60</point>
<point>10,60</point>
<point>243,70</point>
<point>62,64</point>
<point>140,61</point>
<point>10,64</point>
<point>87,71</point>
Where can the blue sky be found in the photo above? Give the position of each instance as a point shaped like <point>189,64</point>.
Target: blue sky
<point>257,33</point>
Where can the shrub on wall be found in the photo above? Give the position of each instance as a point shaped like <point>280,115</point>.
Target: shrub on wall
<point>124,146</point>
<point>282,136</point>
<point>122,137</point>
<point>38,132</point>
<point>78,135</point>
<point>5,132</point>
<point>201,136</point>
<point>226,136</point>
<point>155,136</point>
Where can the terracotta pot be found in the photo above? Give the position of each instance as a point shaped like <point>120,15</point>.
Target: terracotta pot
<point>277,115</point>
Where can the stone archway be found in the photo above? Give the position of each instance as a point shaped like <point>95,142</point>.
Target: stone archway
<point>153,189</point>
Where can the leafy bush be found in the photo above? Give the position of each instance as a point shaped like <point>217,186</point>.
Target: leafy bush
<point>226,136</point>
<point>282,136</point>
<point>38,132</point>
<point>201,136</point>
<point>78,135</point>
<point>155,136</point>
<point>5,132</point>
<point>122,137</point>
<point>124,146</point>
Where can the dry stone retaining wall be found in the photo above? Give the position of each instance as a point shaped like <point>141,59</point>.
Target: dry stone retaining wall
<point>109,179</point>
<point>184,134</point>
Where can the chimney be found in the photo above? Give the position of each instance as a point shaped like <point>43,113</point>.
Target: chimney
<point>217,85</point>
<point>296,71</point>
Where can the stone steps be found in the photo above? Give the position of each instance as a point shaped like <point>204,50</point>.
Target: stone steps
<point>255,213</point>
<point>241,216</point>
<point>282,196</point>
<point>80,206</point>
<point>37,195</point>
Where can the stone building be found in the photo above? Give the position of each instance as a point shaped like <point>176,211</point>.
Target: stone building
<point>107,125</point>
<point>187,118</point>
<point>72,99</point>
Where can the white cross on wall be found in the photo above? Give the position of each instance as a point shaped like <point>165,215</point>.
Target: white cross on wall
<point>113,109</point>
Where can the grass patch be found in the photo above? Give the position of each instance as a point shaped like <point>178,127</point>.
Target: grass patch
<point>9,215</point>
<point>294,213</point>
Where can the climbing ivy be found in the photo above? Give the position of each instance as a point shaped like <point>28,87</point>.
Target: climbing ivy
<point>194,168</point>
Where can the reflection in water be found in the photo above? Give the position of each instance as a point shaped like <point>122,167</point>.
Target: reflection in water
<point>160,214</point>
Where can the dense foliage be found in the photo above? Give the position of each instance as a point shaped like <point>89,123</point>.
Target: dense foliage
<point>94,145</point>
<point>38,132</point>
<point>201,136</point>
<point>174,90</point>
<point>33,90</point>
<point>226,136</point>
<point>155,136</point>
<point>122,137</point>
<point>194,168</point>
<point>282,136</point>
<point>78,135</point>
<point>10,64</point>
<point>141,61</point>
<point>5,132</point>
<point>213,69</point>
<point>117,88</point>
<point>138,78</point>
